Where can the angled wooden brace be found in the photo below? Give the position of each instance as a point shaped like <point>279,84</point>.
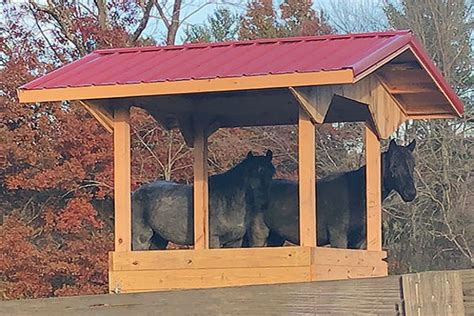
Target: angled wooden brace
<point>101,113</point>
<point>187,127</point>
<point>386,112</point>
<point>313,101</point>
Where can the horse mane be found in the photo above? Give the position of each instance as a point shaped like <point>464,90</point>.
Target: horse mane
<point>228,179</point>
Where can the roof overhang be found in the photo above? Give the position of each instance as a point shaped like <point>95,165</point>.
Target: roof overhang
<point>409,77</point>
<point>187,86</point>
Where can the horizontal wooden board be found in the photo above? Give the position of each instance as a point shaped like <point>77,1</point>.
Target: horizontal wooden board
<point>210,258</point>
<point>340,272</point>
<point>188,86</point>
<point>159,280</point>
<point>377,296</point>
<point>349,257</point>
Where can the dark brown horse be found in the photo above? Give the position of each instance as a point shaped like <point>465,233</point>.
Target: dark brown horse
<point>162,211</point>
<point>341,211</point>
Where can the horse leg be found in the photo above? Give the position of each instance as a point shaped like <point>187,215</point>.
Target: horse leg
<point>275,240</point>
<point>141,231</point>
<point>158,242</point>
<point>141,237</point>
<point>258,231</point>
<point>245,241</point>
<point>338,236</point>
<point>233,244</point>
<point>214,242</point>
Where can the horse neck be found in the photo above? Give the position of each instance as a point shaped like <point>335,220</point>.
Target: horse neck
<point>385,187</point>
<point>232,178</point>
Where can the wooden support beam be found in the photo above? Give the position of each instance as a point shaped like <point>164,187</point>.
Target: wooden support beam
<point>186,127</point>
<point>201,190</point>
<point>166,120</point>
<point>122,174</point>
<point>385,110</point>
<point>217,258</point>
<point>307,179</point>
<point>187,86</point>
<point>101,114</point>
<point>313,101</point>
<point>373,190</point>
<point>212,127</point>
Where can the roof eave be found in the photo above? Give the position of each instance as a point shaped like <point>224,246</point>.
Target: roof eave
<point>269,81</point>
<point>379,58</point>
<point>433,71</point>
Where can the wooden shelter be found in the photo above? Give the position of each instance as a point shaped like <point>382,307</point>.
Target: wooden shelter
<point>382,79</point>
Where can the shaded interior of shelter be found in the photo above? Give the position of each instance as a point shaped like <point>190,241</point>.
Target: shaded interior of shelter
<point>413,87</point>
<point>403,77</point>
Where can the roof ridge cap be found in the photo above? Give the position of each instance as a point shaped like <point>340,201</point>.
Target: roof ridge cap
<point>254,41</point>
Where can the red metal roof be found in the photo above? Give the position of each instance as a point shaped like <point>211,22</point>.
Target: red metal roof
<point>357,52</point>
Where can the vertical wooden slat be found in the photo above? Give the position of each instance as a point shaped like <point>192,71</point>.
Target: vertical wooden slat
<point>433,293</point>
<point>307,176</point>
<point>122,197</point>
<point>201,199</point>
<point>373,190</point>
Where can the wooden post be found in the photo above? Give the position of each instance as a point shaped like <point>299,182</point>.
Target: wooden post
<point>307,176</point>
<point>201,191</point>
<point>373,190</point>
<point>122,194</point>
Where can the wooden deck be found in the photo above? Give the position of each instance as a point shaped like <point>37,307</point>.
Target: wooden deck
<point>428,293</point>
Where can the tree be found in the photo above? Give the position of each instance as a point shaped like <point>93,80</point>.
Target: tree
<point>259,20</point>
<point>221,26</point>
<point>440,222</point>
<point>56,175</point>
<point>300,19</point>
<point>294,18</point>
<point>357,16</point>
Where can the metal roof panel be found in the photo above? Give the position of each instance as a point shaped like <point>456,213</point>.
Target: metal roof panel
<point>358,52</point>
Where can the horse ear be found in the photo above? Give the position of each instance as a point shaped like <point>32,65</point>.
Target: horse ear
<point>269,155</point>
<point>392,145</point>
<point>250,154</point>
<point>411,146</point>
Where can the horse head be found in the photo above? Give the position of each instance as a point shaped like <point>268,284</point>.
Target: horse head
<point>399,165</point>
<point>258,172</point>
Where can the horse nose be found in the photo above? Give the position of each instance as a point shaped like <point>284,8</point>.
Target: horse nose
<point>411,194</point>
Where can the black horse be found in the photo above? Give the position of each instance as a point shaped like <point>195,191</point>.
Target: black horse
<point>163,211</point>
<point>341,200</point>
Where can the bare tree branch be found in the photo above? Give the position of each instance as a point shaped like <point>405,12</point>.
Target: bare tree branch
<point>143,22</point>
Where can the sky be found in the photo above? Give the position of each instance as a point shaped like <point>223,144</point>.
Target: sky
<point>332,8</point>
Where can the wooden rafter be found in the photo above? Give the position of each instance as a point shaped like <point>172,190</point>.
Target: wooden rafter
<point>411,88</point>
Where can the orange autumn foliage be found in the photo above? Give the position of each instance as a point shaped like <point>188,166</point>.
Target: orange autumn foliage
<point>56,161</point>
